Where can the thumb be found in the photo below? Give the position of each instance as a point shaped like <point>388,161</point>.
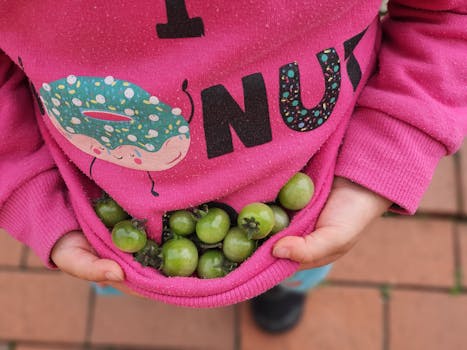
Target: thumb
<point>74,255</point>
<point>348,210</point>
<point>322,247</point>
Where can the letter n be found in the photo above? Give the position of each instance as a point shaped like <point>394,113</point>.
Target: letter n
<point>221,112</point>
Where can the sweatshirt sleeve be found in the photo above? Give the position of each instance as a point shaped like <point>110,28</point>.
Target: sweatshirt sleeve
<point>33,198</point>
<point>413,110</point>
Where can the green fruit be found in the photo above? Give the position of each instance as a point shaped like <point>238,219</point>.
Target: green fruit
<point>128,236</point>
<point>179,257</point>
<point>211,264</point>
<point>297,192</point>
<point>182,222</point>
<point>213,226</point>
<point>109,211</point>
<point>237,247</point>
<point>281,219</point>
<point>256,219</point>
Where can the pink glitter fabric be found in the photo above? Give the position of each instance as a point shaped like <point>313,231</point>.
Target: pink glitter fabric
<point>170,107</point>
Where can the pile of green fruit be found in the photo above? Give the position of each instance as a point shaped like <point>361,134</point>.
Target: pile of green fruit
<point>205,239</point>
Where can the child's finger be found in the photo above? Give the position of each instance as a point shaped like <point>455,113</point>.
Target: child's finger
<point>321,247</point>
<point>74,255</point>
<point>83,264</point>
<point>349,209</point>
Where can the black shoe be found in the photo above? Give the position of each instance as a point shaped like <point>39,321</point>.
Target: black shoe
<point>278,309</point>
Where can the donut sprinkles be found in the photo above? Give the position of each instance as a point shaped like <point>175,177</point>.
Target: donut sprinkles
<point>294,114</point>
<point>117,121</point>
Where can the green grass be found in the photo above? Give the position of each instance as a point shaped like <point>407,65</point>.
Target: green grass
<point>385,291</point>
<point>457,288</point>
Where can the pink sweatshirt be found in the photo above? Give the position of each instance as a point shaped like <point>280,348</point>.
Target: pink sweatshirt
<point>169,104</point>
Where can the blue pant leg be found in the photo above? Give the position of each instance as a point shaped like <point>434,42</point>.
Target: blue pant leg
<point>303,281</point>
<point>107,290</point>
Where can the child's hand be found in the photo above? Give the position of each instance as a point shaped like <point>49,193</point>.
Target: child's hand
<point>349,209</point>
<point>73,254</point>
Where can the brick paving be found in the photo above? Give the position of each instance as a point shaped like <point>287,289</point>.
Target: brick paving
<point>340,317</point>
<point>403,286</point>
<point>428,320</point>
<point>155,324</point>
<point>402,251</point>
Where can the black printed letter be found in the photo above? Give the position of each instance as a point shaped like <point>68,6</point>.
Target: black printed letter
<point>220,111</point>
<point>179,25</point>
<point>353,68</point>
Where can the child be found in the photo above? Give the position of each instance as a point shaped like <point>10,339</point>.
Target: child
<point>166,105</point>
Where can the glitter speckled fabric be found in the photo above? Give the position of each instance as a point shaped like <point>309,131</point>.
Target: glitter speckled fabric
<point>167,105</point>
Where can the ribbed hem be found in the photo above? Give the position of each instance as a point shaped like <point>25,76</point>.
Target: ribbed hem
<point>38,214</point>
<point>389,157</point>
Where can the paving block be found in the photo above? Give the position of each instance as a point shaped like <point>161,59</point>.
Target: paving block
<point>441,195</point>
<point>427,320</point>
<point>134,321</point>
<point>42,307</point>
<point>403,251</point>
<point>10,250</point>
<point>47,347</point>
<point>32,260</point>
<point>335,318</point>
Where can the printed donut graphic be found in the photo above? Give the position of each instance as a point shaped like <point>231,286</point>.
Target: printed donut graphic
<point>117,121</point>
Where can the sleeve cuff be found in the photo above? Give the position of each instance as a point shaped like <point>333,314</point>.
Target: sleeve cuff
<point>38,214</point>
<point>389,157</point>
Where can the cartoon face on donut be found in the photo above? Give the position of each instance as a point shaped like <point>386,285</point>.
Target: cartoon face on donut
<point>117,121</point>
